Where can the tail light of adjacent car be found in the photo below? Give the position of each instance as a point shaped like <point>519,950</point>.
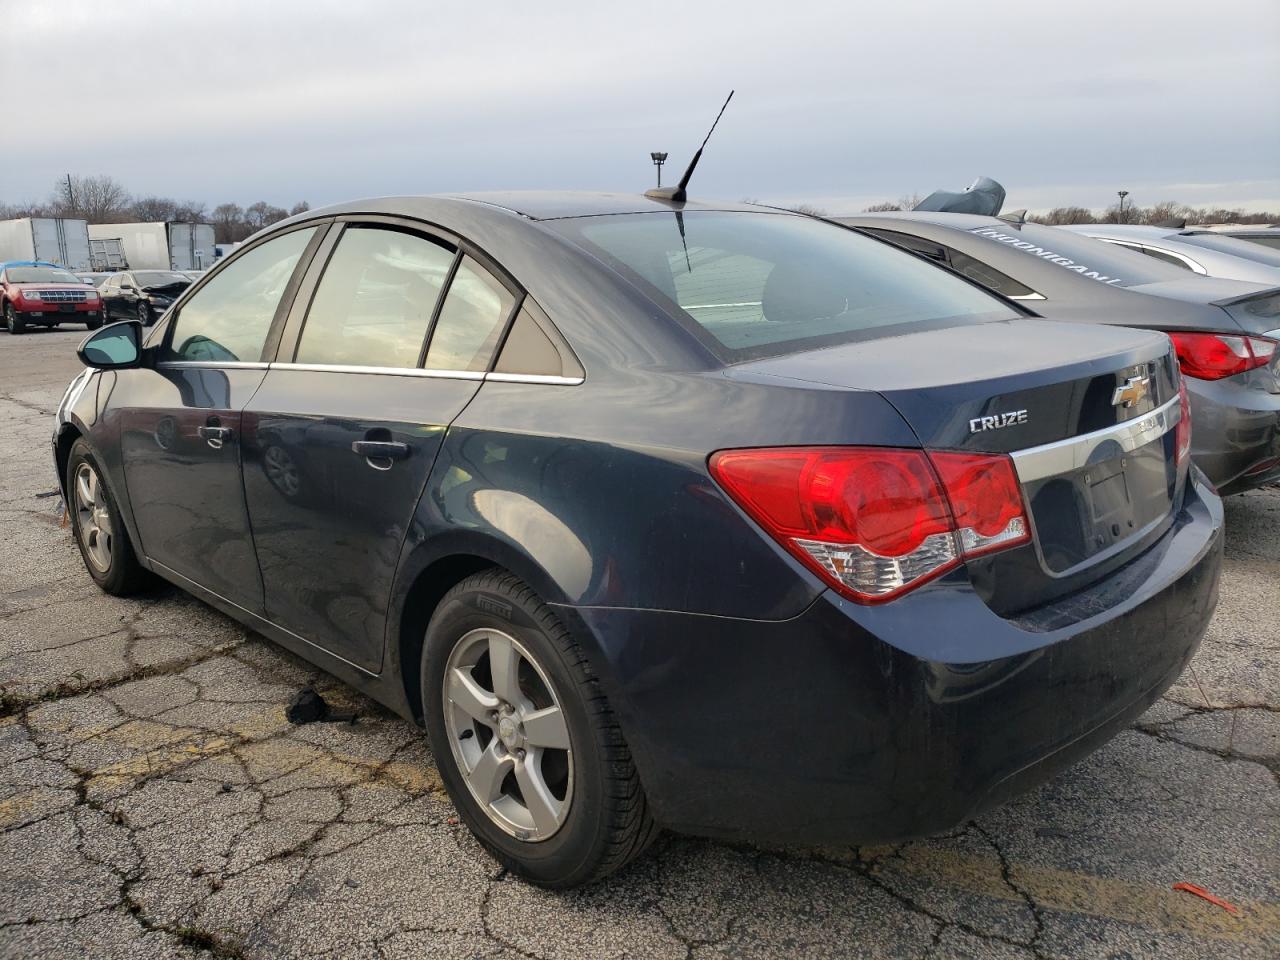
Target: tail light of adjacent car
<point>875,522</point>
<point>1213,356</point>
<point>1182,433</point>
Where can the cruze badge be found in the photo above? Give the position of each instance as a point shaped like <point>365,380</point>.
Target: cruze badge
<point>998,421</point>
<point>1131,391</point>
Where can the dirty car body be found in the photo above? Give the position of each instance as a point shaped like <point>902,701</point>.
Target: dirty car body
<point>1227,332</point>
<point>617,445</point>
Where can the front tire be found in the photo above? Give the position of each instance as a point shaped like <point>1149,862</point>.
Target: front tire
<point>98,528</point>
<point>144,314</point>
<point>13,322</point>
<point>525,741</point>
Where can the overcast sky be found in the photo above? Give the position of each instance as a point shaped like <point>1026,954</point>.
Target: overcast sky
<point>839,104</point>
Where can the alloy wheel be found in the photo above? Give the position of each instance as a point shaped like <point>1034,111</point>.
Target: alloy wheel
<point>93,519</point>
<point>508,734</point>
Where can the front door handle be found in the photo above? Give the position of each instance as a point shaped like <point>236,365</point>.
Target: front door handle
<point>216,436</point>
<point>380,450</point>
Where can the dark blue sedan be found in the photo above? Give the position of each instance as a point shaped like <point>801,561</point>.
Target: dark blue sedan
<point>656,514</point>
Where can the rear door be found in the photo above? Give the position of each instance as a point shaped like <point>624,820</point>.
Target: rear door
<point>341,436</point>
<point>46,239</point>
<point>180,423</point>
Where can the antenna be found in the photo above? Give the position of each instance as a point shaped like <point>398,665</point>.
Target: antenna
<point>677,193</point>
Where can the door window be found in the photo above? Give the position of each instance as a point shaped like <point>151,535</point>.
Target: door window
<point>228,319</point>
<point>375,300</point>
<point>472,320</point>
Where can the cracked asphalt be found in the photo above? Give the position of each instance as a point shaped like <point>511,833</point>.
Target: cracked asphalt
<point>154,801</point>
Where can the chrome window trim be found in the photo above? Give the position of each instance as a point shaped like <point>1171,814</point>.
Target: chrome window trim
<point>213,364</point>
<point>543,378</point>
<point>1030,296</point>
<point>386,371</point>
<point>1063,456</point>
<point>548,378</point>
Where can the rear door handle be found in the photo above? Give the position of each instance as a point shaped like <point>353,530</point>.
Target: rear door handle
<point>216,436</point>
<point>375,450</point>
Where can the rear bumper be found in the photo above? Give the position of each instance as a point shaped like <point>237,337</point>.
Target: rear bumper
<point>1235,432</point>
<point>851,724</point>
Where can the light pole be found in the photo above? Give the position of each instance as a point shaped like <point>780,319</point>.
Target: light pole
<point>658,160</point>
<point>1121,194</point>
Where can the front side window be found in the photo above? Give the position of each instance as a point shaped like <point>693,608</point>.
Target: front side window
<point>229,318</point>
<point>375,301</point>
<point>762,284</point>
<point>472,320</point>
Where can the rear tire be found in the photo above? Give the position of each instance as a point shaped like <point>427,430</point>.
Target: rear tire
<point>98,527</point>
<point>597,813</point>
<point>13,322</point>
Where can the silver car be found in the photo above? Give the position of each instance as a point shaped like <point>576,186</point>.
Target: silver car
<point>1204,252</point>
<point>1266,236</point>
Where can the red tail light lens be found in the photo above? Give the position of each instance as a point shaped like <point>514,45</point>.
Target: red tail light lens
<point>1183,431</point>
<point>1213,356</point>
<point>874,522</point>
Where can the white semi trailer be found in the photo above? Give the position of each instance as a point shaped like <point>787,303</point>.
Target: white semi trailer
<point>161,246</point>
<point>59,240</point>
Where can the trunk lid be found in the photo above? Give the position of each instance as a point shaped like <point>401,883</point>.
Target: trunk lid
<point>1087,413</point>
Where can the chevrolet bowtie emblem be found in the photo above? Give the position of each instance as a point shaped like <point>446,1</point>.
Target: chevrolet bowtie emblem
<point>1131,391</point>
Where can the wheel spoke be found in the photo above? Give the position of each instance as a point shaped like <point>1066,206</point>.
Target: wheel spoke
<point>93,487</point>
<point>83,490</point>
<point>490,770</point>
<point>474,700</point>
<point>504,665</point>
<point>543,806</point>
<point>546,728</point>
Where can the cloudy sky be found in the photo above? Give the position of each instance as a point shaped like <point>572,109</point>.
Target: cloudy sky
<point>840,104</point>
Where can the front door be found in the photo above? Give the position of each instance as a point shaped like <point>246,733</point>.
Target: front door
<point>339,442</point>
<point>181,422</point>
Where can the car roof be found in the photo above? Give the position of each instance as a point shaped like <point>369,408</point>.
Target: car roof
<point>29,263</point>
<point>561,204</point>
<point>1134,230</point>
<point>961,221</point>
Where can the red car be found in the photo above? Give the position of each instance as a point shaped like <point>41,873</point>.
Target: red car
<point>44,295</point>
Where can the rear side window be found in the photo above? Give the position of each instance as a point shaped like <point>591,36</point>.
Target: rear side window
<point>229,317</point>
<point>375,300</point>
<point>1165,257</point>
<point>472,320</point>
<point>761,284</point>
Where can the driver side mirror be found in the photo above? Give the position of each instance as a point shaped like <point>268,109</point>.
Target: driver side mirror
<point>116,347</point>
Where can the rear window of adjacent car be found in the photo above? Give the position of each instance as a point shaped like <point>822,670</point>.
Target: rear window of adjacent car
<point>762,284</point>
<point>1234,246</point>
<point>1095,259</point>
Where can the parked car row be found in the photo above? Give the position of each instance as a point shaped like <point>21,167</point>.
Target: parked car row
<point>1225,332</point>
<point>708,517</point>
<point>35,293</point>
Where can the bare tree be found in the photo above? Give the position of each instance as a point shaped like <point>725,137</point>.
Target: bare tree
<point>229,223</point>
<point>1060,215</point>
<point>909,201</point>
<point>262,214</point>
<point>153,209</point>
<point>300,207</point>
<point>191,211</point>
<point>96,199</point>
<point>884,207</point>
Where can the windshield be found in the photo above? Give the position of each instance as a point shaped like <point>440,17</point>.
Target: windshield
<point>1236,247</point>
<point>1095,259</point>
<point>759,284</point>
<point>41,275</point>
<point>159,278</point>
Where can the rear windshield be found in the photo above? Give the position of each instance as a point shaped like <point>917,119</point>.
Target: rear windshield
<point>1095,259</point>
<point>41,275</point>
<point>761,284</point>
<point>1234,246</point>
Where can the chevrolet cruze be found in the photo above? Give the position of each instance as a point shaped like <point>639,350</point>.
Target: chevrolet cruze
<point>660,514</point>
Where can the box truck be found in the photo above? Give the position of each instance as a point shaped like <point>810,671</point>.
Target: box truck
<point>57,240</point>
<point>160,246</point>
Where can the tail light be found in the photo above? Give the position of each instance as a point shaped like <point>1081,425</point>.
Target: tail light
<point>1212,356</point>
<point>875,522</point>
<point>1182,432</point>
